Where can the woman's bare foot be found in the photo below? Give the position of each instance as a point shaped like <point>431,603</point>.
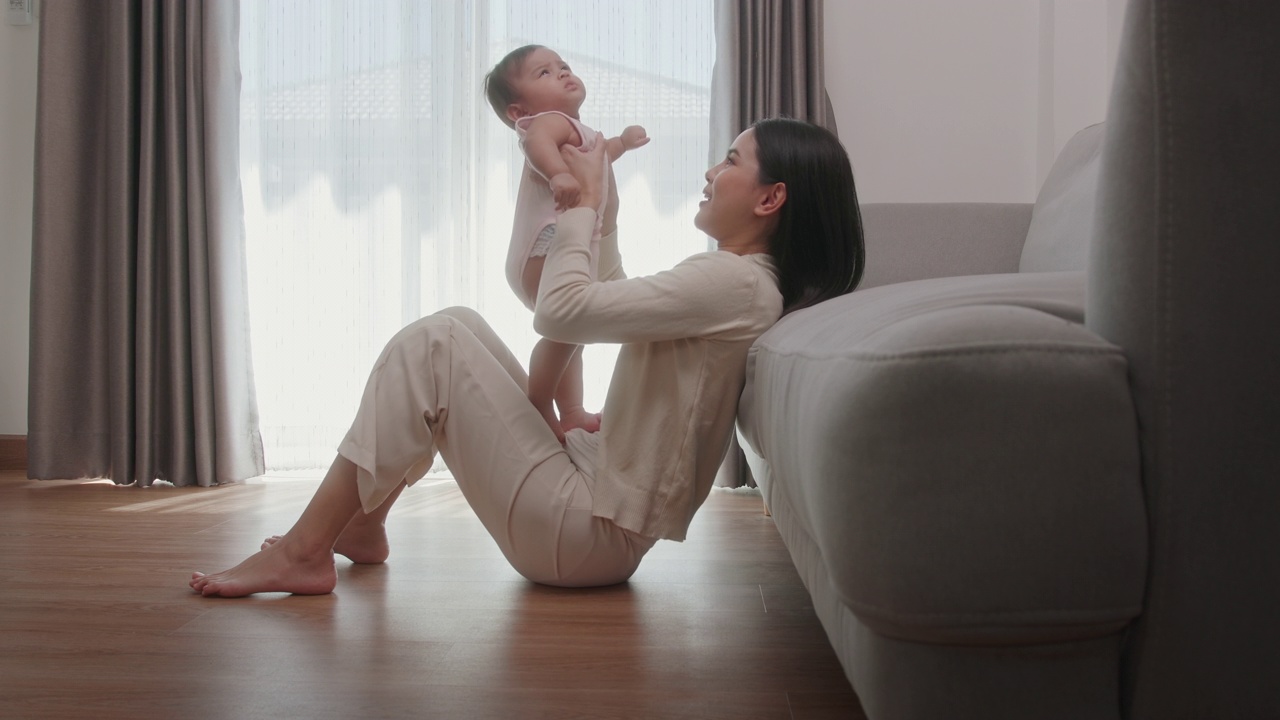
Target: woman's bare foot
<point>277,568</point>
<point>579,418</point>
<point>362,541</point>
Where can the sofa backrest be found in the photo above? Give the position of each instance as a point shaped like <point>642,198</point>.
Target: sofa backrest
<point>1183,278</point>
<point>916,241</point>
<point>1062,219</point>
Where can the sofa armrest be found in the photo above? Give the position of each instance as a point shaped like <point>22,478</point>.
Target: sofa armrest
<point>963,454</point>
<point>915,241</point>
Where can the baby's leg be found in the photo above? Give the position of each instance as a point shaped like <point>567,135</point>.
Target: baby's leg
<point>555,370</point>
<point>548,361</point>
<point>546,367</point>
<point>532,277</point>
<point>569,397</point>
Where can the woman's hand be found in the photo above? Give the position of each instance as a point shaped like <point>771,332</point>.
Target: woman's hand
<point>588,169</point>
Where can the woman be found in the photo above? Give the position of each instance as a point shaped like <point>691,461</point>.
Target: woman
<point>783,211</point>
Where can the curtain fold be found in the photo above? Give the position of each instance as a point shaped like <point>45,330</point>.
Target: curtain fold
<point>769,63</point>
<point>140,361</point>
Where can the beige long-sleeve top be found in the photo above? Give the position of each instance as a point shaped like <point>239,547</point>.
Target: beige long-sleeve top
<point>669,412</point>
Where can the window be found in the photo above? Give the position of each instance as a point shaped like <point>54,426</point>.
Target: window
<point>379,186</point>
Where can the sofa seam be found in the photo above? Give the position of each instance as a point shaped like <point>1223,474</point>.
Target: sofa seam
<point>1103,615</point>
<point>933,354</point>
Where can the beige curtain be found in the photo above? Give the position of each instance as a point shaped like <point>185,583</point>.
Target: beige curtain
<point>769,63</point>
<point>140,363</point>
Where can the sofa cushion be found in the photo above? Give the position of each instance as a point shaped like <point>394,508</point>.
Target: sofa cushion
<point>1062,219</point>
<point>962,452</point>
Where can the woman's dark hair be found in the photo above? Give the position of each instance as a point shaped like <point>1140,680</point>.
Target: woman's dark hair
<point>498,87</point>
<point>818,246</point>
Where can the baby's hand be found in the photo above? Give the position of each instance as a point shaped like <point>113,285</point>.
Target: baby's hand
<point>566,189</point>
<point>633,137</point>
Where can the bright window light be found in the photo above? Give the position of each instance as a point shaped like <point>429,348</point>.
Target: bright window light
<point>379,186</point>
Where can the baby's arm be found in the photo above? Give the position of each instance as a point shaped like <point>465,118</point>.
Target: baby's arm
<point>632,137</point>
<point>542,146</point>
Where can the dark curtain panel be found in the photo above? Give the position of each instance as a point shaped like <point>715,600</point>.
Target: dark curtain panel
<point>140,363</point>
<point>769,63</point>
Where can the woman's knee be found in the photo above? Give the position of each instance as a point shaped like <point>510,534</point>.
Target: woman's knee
<point>478,327</point>
<point>418,336</point>
<point>468,317</point>
<point>442,323</point>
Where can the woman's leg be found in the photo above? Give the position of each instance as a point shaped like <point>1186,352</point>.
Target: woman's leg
<point>448,380</point>
<point>538,507</point>
<point>302,561</point>
<point>447,383</point>
<point>364,539</point>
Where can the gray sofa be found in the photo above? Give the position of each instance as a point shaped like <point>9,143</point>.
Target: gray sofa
<point>1031,468</point>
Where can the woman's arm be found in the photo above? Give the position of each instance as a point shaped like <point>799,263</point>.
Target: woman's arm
<point>710,294</point>
<point>609,265</point>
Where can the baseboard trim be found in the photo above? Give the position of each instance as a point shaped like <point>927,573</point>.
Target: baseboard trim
<point>13,453</point>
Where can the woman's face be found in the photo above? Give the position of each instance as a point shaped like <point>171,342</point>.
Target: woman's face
<point>728,213</point>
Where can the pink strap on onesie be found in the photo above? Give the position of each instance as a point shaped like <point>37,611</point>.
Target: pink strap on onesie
<point>536,208</point>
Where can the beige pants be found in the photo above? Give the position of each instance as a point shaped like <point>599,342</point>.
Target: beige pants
<point>447,382</point>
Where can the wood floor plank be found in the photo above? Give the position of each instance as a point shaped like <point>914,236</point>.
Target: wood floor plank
<point>825,706</point>
<point>338,701</point>
<point>683,668</point>
<point>96,619</point>
<point>728,630</point>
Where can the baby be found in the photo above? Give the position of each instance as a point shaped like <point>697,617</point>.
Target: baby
<point>534,92</point>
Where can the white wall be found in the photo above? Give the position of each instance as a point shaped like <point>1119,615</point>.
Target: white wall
<point>18,45</point>
<point>1078,42</point>
<point>942,101</point>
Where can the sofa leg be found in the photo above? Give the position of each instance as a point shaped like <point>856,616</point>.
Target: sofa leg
<point>766,510</point>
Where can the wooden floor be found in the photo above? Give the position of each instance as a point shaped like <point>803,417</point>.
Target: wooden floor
<point>96,619</point>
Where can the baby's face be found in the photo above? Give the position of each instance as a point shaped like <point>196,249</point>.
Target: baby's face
<point>545,82</point>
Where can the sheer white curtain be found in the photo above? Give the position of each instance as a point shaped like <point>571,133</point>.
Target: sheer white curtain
<point>379,186</point>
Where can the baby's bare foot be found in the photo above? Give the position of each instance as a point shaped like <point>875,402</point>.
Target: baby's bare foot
<point>360,542</point>
<point>276,568</point>
<point>580,418</point>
